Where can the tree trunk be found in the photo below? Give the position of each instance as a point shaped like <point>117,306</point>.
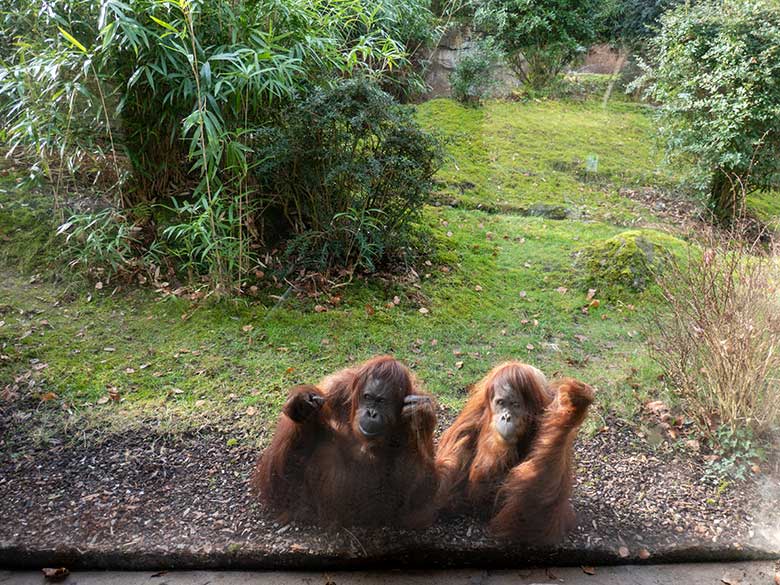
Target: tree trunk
<point>725,198</point>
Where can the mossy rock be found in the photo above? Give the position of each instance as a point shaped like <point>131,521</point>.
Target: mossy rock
<point>629,261</point>
<point>548,211</point>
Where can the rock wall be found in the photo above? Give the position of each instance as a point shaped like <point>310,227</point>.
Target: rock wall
<point>454,44</point>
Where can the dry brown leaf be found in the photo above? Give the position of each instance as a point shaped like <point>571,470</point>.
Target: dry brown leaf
<point>595,303</point>
<point>588,570</point>
<point>103,400</point>
<point>48,396</point>
<point>247,328</point>
<point>55,574</point>
<point>251,411</point>
<point>320,309</point>
<point>644,554</point>
<point>370,310</point>
<point>458,365</point>
<point>478,288</point>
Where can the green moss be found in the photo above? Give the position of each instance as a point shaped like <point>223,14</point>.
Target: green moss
<point>499,286</point>
<point>629,261</point>
<point>27,224</point>
<point>510,156</point>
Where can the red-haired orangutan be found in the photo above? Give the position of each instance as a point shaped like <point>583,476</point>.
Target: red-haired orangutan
<point>510,452</point>
<point>356,449</point>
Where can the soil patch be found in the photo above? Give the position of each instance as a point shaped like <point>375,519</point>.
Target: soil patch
<point>142,500</point>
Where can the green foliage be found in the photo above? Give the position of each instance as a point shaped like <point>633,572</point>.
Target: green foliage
<point>473,77</point>
<point>540,37</point>
<point>716,75</point>
<point>737,451</point>
<point>348,170</point>
<point>163,101</point>
<point>630,22</point>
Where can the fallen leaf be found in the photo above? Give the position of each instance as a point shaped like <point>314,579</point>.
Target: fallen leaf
<point>55,574</point>
<point>396,300</point>
<point>478,288</point>
<point>200,403</point>
<point>595,303</point>
<point>48,396</point>
<point>591,293</point>
<point>523,294</point>
<point>623,552</point>
<point>103,399</point>
<point>251,411</point>
<point>98,285</point>
<point>424,311</point>
<point>247,328</point>
<point>370,310</point>
<point>644,554</point>
<point>489,235</point>
<point>588,570</point>
<point>129,370</point>
<point>320,309</point>
<point>562,289</point>
<point>289,370</point>
<point>530,346</point>
<point>113,393</point>
<point>458,365</point>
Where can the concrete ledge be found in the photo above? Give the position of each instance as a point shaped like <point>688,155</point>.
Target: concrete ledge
<point>407,556</point>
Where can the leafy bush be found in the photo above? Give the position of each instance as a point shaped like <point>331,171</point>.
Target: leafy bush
<point>540,37</point>
<point>716,336</point>
<point>473,77</point>
<point>716,74</point>
<point>167,99</point>
<point>347,171</point>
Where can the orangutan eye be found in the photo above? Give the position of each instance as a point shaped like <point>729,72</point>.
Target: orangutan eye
<point>500,402</point>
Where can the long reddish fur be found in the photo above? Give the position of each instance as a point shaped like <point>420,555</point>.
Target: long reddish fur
<point>527,485</point>
<point>324,470</point>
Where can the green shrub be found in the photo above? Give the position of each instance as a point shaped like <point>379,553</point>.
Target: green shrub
<point>346,171</point>
<point>540,37</point>
<point>716,74</point>
<point>473,77</point>
<point>166,101</point>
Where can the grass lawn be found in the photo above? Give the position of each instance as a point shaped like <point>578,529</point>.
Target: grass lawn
<point>503,284</point>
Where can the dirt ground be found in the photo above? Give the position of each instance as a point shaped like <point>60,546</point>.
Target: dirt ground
<point>142,500</point>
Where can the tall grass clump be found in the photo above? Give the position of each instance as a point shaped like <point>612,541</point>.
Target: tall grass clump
<point>717,337</point>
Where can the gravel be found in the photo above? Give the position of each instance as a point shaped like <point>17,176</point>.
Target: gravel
<point>145,500</point>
